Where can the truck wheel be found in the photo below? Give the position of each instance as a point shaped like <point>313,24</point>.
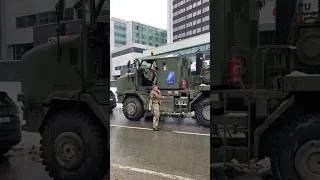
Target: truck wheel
<point>296,151</point>
<point>74,146</point>
<point>203,112</point>
<point>133,109</point>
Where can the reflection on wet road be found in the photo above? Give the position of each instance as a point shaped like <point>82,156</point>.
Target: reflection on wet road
<point>181,150</point>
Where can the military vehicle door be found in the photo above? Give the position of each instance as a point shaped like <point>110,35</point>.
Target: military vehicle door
<point>146,76</point>
<point>171,71</point>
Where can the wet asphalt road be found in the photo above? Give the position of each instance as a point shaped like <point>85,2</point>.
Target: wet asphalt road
<point>181,150</point>
<point>136,153</point>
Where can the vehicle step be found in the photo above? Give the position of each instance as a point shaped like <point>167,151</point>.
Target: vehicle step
<point>237,147</point>
<point>244,112</point>
<point>237,114</point>
<point>233,129</point>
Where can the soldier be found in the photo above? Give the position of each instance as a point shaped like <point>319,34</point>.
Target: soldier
<point>156,100</point>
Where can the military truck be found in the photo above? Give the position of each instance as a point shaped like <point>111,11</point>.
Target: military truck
<point>65,96</point>
<point>172,74</point>
<point>264,95</point>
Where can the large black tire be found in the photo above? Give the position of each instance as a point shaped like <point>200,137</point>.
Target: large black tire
<point>90,145</point>
<point>202,105</point>
<point>133,109</point>
<point>294,140</point>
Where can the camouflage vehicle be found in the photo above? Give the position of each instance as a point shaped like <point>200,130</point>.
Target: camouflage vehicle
<point>65,96</point>
<point>172,74</point>
<point>264,95</point>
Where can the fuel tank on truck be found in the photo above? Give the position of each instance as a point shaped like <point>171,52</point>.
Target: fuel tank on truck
<point>125,83</point>
<point>43,73</point>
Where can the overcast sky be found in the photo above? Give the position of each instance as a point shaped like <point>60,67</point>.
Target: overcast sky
<point>150,12</point>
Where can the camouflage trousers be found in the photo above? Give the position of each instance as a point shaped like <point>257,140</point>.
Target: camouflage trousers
<point>156,114</point>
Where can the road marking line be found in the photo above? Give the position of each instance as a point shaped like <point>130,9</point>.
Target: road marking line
<point>149,129</point>
<point>145,171</point>
<point>131,127</point>
<point>199,134</point>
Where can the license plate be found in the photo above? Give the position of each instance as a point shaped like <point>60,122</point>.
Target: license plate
<point>4,119</point>
<point>111,99</point>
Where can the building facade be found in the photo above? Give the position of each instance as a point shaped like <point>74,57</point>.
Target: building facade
<point>20,17</point>
<point>131,32</point>
<point>187,47</point>
<point>187,18</point>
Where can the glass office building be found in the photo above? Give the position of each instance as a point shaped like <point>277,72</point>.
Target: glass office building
<point>131,32</point>
<point>148,35</point>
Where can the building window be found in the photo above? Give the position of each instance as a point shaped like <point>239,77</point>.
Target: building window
<point>20,49</point>
<point>31,20</point>
<point>43,18</point>
<point>52,17</point>
<point>204,1</point>
<point>194,5</point>
<point>21,22</point>
<point>194,31</point>
<point>205,28</point>
<point>199,21</point>
<point>189,33</point>
<point>194,22</point>
<point>198,30</point>
<point>194,14</point>
<point>206,18</point>
<point>189,16</point>
<point>199,12</point>
<point>199,3</point>
<point>68,14</point>
<point>189,7</point>
<point>205,9</point>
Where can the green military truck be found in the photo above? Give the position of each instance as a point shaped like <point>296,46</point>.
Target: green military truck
<point>172,74</point>
<point>265,87</point>
<point>65,96</point>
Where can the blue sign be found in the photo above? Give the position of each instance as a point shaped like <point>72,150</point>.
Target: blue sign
<point>170,78</point>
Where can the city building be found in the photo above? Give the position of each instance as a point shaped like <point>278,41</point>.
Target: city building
<point>19,19</point>
<point>187,18</point>
<point>128,32</point>
<point>187,47</point>
<point>120,57</point>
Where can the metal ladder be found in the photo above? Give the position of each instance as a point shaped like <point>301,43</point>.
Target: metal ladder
<point>236,114</point>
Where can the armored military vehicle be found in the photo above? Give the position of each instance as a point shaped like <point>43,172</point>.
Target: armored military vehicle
<point>264,95</point>
<point>65,96</point>
<point>172,74</point>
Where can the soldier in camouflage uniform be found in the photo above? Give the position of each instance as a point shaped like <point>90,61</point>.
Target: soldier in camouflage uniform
<point>156,99</point>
